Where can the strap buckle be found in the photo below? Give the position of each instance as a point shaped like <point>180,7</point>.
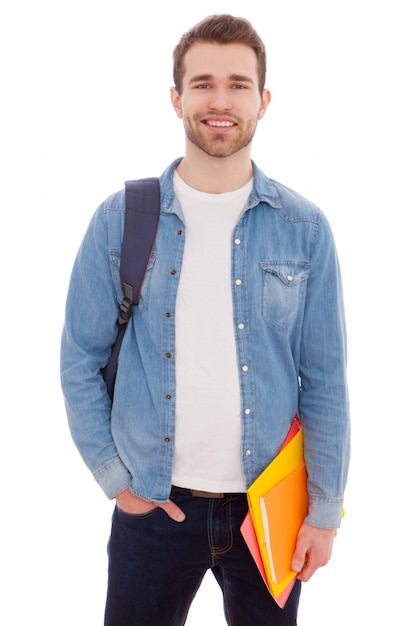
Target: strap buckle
<point>125,310</point>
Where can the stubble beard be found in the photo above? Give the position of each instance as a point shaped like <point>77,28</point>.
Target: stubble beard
<point>219,145</point>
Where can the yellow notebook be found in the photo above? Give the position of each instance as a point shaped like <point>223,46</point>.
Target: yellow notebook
<point>278,504</point>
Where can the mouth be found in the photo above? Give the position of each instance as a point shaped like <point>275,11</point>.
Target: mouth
<point>218,124</point>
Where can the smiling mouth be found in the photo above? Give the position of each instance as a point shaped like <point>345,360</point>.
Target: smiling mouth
<point>219,123</point>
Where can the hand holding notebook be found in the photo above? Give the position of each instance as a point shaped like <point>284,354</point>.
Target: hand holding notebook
<point>278,504</point>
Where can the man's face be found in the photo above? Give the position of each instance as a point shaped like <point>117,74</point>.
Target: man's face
<point>220,103</point>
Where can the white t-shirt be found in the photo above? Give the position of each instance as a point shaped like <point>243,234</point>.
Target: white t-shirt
<point>208,438</point>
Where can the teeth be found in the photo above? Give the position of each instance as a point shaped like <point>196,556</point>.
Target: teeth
<point>218,123</point>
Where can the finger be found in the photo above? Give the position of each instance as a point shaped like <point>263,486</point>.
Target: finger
<point>314,559</point>
<point>173,511</point>
<point>307,571</point>
<point>299,558</point>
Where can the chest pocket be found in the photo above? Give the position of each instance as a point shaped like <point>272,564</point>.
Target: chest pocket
<point>283,291</point>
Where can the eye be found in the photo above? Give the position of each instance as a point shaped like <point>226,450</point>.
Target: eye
<point>203,86</point>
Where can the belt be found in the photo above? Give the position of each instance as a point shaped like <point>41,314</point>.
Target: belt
<point>202,494</point>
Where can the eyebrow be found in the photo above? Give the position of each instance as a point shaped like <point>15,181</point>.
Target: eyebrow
<point>240,78</point>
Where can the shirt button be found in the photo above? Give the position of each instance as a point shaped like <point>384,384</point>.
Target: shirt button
<point>179,232</point>
<point>248,452</point>
<point>237,242</point>
<point>168,355</point>
<point>238,281</point>
<point>241,326</point>
<point>168,396</point>
<point>168,314</point>
<point>173,272</point>
<point>289,278</point>
<point>245,368</point>
<point>167,439</point>
<point>247,411</point>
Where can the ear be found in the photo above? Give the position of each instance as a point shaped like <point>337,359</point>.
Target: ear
<point>176,102</point>
<point>265,100</point>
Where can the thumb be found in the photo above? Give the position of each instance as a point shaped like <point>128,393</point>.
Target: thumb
<point>299,556</point>
<point>298,561</point>
<point>173,511</point>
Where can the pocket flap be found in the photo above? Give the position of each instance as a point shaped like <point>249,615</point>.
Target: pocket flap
<point>289,272</point>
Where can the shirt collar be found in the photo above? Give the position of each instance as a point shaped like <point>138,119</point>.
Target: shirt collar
<point>264,189</point>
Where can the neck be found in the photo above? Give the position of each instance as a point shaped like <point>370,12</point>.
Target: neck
<point>214,174</point>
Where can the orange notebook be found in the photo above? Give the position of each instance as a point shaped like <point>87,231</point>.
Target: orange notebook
<point>278,504</point>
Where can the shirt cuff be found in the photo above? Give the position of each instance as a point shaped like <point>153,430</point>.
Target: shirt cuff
<point>113,478</point>
<point>324,513</point>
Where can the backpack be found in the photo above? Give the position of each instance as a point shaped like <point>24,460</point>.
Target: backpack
<point>141,221</point>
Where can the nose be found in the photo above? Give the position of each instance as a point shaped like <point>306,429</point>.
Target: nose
<point>220,100</point>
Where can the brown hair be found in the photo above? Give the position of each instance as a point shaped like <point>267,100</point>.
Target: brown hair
<point>221,29</point>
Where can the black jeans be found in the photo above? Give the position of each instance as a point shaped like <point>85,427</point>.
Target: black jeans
<point>156,566</point>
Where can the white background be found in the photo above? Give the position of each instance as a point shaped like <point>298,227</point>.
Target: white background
<point>84,102</point>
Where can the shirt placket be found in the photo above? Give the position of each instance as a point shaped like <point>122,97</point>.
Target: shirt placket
<point>241,322</point>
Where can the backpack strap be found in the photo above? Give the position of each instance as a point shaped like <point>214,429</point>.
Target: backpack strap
<point>141,222</point>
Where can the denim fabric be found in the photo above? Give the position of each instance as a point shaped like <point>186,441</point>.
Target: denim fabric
<point>290,341</point>
<point>156,566</point>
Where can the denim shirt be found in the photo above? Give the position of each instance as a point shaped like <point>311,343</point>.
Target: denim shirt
<point>290,342</point>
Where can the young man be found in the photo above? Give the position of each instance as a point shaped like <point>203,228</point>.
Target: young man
<point>239,327</point>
